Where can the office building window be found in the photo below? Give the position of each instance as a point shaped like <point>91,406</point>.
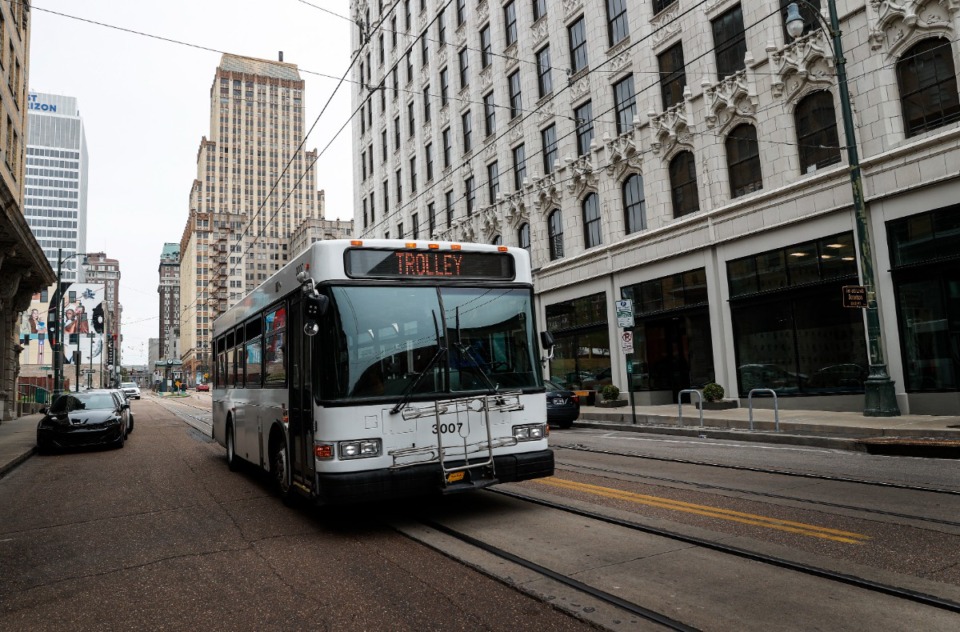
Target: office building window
<point>583,115</point>
<point>516,105</point>
<point>555,234</point>
<point>493,182</point>
<point>743,160</point>
<point>729,42</point>
<point>626,103</point>
<point>591,221</point>
<point>444,86</point>
<point>447,146</point>
<point>519,167</point>
<point>470,192</point>
<point>489,114</point>
<point>617,25</point>
<point>467,126</point>
<point>817,140</point>
<point>927,79</point>
<point>673,78</point>
<point>523,236</point>
<point>634,204</point>
<point>539,9</point>
<point>448,203</point>
<point>548,141</point>
<point>510,23</point>
<point>486,47</point>
<point>577,33</point>
<point>464,57</point>
<point>683,184</point>
<point>428,154</point>
<point>544,76</point>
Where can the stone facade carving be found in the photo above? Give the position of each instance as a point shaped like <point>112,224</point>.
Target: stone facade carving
<point>547,193</point>
<point>583,176</point>
<point>673,126</point>
<point>486,78</point>
<point>665,24</point>
<point>806,60</point>
<point>540,32</point>
<point>624,153</point>
<point>900,25</point>
<point>570,7</point>
<point>733,95</point>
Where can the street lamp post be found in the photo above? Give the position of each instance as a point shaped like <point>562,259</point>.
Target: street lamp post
<point>58,352</point>
<point>879,396</point>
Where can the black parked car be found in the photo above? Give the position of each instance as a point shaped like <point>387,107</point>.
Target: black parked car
<point>90,418</point>
<point>563,405</point>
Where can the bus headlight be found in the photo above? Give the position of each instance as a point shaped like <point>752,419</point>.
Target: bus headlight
<point>362,449</point>
<point>529,432</point>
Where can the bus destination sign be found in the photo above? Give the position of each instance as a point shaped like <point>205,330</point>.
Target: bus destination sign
<point>427,264</point>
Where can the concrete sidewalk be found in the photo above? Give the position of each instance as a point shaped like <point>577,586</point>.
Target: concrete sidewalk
<point>915,435</point>
<point>18,441</point>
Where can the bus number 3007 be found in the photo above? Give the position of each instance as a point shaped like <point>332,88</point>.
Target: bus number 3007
<point>447,428</point>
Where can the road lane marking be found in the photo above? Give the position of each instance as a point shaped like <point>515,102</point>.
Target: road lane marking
<point>814,531</point>
<point>715,444</point>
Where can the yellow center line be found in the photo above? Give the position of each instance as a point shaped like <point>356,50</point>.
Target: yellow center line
<point>789,526</point>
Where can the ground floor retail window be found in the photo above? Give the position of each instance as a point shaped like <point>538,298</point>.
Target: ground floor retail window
<point>799,341</point>
<point>581,356</point>
<point>925,250</point>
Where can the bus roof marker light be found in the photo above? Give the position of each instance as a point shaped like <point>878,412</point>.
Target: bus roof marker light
<point>410,244</point>
<point>501,248</point>
<point>433,246</point>
<point>455,246</point>
<point>356,242</point>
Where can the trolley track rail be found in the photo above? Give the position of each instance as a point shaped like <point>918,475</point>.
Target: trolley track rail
<point>739,552</point>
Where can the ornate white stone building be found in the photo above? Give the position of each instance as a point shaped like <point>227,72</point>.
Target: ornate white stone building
<point>690,157</point>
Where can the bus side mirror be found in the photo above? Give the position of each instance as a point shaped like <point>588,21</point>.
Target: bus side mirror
<point>546,339</point>
<point>315,306</point>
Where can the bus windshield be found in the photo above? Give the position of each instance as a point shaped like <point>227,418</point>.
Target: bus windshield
<point>380,342</point>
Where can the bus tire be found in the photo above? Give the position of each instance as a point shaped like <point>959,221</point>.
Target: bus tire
<point>280,469</point>
<point>233,462</point>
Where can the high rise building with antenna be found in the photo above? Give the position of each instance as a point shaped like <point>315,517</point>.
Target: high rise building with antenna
<point>255,184</point>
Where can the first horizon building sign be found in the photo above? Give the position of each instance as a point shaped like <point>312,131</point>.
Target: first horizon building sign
<point>34,103</point>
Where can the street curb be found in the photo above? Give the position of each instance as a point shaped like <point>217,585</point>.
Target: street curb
<point>709,432</point>
<point>8,467</point>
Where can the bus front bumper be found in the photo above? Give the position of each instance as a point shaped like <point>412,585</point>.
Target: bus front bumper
<point>420,480</point>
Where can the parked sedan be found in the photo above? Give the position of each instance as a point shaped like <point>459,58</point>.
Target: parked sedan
<point>563,405</point>
<point>91,418</point>
<point>203,388</point>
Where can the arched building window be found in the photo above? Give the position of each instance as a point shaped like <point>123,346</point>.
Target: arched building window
<point>817,140</point>
<point>497,240</point>
<point>523,236</point>
<point>927,78</point>
<point>591,221</point>
<point>555,232</point>
<point>634,204</point>
<point>743,160</point>
<point>683,184</point>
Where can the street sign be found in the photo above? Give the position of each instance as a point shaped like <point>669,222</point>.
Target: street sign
<point>854,296</point>
<point>625,313</point>
<point>626,341</point>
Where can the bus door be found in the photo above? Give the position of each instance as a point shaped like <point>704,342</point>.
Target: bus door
<point>301,407</point>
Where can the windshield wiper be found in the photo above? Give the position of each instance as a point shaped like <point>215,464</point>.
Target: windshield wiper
<point>466,350</point>
<point>408,391</point>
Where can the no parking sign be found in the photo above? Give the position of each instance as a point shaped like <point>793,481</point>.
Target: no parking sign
<point>626,341</point>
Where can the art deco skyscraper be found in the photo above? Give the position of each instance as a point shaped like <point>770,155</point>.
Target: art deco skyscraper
<point>255,185</point>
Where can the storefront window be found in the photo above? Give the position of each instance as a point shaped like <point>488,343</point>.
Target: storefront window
<point>671,339</point>
<point>581,358</point>
<point>791,331</point>
<point>925,250</point>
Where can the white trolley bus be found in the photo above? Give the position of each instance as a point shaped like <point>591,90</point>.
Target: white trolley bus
<point>376,369</point>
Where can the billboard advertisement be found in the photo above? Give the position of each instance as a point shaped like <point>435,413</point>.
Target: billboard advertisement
<point>83,326</point>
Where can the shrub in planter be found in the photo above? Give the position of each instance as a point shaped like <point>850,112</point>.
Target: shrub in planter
<point>712,392</point>
<point>609,392</point>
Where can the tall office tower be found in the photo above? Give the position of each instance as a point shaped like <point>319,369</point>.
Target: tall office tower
<point>701,163</point>
<point>102,270</point>
<point>56,187</point>
<point>255,185</point>
<point>169,290</point>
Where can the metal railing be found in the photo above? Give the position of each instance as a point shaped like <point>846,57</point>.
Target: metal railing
<point>776,406</point>
<point>680,405</point>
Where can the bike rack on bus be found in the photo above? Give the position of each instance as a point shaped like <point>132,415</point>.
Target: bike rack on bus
<point>680,405</point>
<point>776,406</point>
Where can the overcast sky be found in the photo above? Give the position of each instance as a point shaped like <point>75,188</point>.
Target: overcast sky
<point>145,104</point>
